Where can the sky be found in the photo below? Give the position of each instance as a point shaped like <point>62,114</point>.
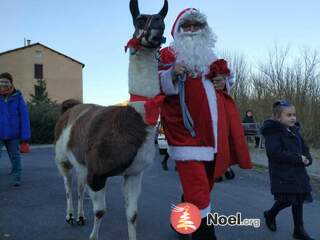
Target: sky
<point>94,32</point>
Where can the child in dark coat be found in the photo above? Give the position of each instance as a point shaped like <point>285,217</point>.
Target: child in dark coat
<point>288,158</point>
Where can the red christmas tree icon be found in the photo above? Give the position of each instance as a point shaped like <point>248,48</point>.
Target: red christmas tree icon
<point>185,218</point>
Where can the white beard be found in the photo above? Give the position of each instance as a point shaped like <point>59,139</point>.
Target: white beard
<point>195,49</point>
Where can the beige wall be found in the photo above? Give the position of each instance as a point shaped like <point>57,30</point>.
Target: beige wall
<point>62,75</point>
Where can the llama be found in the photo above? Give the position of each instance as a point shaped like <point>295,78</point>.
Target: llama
<point>101,142</point>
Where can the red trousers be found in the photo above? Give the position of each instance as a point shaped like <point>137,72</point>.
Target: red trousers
<point>197,180</point>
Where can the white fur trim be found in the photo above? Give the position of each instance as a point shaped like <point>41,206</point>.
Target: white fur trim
<point>189,153</point>
<point>212,102</point>
<point>204,212</point>
<point>166,83</point>
<point>191,13</point>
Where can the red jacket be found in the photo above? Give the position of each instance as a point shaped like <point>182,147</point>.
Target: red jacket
<point>219,133</point>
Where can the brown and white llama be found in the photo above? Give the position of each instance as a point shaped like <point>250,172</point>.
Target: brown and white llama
<point>101,142</point>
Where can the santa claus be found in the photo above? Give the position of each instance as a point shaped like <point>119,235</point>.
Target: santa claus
<point>199,117</point>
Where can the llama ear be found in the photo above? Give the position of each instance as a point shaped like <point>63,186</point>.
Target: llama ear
<point>134,9</point>
<point>163,12</point>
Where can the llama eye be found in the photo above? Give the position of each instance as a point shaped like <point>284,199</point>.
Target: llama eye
<point>141,18</point>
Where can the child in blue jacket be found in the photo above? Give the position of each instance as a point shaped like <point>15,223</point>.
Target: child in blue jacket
<point>288,158</point>
<point>14,123</point>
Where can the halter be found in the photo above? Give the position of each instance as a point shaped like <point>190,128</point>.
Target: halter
<point>135,42</point>
<point>145,28</point>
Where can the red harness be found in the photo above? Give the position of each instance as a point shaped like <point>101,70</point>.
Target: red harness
<point>135,42</point>
<point>151,106</point>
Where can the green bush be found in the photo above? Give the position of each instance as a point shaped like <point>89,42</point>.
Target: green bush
<point>43,118</point>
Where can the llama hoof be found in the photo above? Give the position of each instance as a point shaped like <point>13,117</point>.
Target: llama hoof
<point>70,219</point>
<point>81,221</point>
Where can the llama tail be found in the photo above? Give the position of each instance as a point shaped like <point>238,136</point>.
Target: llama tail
<point>67,104</point>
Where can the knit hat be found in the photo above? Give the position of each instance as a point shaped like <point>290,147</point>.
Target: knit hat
<point>188,14</point>
<point>7,76</point>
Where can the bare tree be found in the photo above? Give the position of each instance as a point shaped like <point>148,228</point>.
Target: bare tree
<point>241,89</point>
<point>282,75</point>
<point>296,79</point>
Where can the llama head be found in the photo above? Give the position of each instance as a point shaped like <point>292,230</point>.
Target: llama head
<point>148,28</point>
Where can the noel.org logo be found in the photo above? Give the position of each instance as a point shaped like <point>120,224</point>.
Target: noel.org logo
<point>185,218</point>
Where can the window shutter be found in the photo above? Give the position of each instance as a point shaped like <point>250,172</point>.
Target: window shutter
<point>38,71</point>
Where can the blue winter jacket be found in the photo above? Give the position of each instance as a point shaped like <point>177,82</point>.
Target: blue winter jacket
<point>14,117</point>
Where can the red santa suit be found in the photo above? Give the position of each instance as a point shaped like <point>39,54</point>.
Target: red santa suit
<point>219,140</point>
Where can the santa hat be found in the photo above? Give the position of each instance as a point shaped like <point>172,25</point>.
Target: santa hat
<point>188,15</point>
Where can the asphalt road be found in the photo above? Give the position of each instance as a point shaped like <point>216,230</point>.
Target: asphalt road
<point>36,210</point>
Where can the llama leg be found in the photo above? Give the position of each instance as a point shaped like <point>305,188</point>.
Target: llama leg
<point>68,186</point>
<point>99,208</point>
<point>81,190</point>
<point>132,189</point>
<point>65,169</point>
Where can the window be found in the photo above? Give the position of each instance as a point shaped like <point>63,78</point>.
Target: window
<point>38,54</point>
<point>38,71</point>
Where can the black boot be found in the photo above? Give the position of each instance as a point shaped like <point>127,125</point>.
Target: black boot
<point>300,233</point>
<point>270,221</point>
<point>164,165</point>
<point>270,215</point>
<point>204,232</point>
<point>218,179</point>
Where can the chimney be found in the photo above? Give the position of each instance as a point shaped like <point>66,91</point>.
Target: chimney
<point>28,42</point>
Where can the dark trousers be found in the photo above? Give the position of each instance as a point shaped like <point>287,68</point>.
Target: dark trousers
<point>297,212</point>
<point>12,146</point>
<point>257,140</point>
